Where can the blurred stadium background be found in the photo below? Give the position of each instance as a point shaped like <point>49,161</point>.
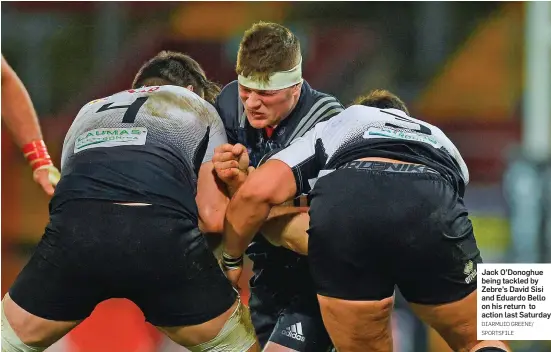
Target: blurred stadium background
<point>479,70</point>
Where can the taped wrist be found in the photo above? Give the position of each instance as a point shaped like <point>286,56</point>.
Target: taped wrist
<point>231,262</point>
<point>37,155</point>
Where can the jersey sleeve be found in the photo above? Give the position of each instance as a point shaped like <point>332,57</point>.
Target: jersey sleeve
<point>227,106</point>
<point>305,157</point>
<point>217,133</point>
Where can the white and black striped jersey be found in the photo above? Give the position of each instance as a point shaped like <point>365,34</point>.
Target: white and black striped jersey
<point>140,145</point>
<point>361,131</point>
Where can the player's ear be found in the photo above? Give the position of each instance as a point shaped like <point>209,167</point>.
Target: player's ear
<point>190,87</point>
<point>296,89</point>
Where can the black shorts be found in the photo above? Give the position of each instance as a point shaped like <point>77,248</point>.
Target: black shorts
<point>372,230</point>
<point>152,255</point>
<point>283,304</point>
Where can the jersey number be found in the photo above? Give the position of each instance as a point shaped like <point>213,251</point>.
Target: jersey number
<point>420,128</point>
<point>131,112</point>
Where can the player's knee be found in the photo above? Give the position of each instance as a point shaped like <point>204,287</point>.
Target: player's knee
<point>236,335</point>
<point>13,343</point>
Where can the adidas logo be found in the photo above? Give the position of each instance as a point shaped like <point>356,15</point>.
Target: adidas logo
<point>294,331</point>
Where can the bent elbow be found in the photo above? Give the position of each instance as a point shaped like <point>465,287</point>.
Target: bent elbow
<point>211,221</point>
<point>256,195</point>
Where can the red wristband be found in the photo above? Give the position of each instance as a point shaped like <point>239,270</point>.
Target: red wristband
<point>37,154</point>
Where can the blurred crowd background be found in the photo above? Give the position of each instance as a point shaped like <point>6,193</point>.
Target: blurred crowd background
<point>475,69</point>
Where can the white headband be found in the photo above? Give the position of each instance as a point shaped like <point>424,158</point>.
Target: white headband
<point>278,80</point>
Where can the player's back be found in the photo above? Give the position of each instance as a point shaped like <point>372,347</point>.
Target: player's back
<point>141,145</point>
<point>391,133</point>
<point>362,131</point>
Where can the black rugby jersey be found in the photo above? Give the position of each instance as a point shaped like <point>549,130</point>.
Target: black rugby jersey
<point>312,107</point>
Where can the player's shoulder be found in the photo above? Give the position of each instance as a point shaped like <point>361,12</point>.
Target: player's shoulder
<point>316,98</point>
<point>376,113</point>
<point>229,90</point>
<point>227,100</point>
<point>166,93</point>
<point>174,101</point>
<point>160,91</point>
<point>315,106</point>
<point>227,104</point>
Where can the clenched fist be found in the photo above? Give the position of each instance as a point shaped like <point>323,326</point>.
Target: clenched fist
<point>231,163</point>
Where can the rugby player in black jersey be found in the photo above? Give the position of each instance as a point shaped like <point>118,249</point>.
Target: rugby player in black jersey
<point>265,109</point>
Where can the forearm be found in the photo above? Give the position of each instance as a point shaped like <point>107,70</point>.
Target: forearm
<point>284,211</point>
<point>239,230</point>
<point>17,110</point>
<point>289,231</point>
<point>212,200</point>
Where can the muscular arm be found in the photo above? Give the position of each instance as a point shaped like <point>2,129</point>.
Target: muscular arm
<point>212,194</point>
<point>282,227</point>
<point>273,183</point>
<point>17,108</point>
<point>211,199</point>
<point>287,226</point>
<point>289,231</point>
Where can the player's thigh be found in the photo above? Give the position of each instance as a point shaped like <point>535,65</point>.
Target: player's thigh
<point>300,327</point>
<point>21,326</point>
<point>438,275</point>
<point>264,315</point>
<point>350,260</point>
<point>356,326</point>
<point>184,291</point>
<point>58,287</point>
<point>454,321</point>
<point>184,284</point>
<point>280,275</point>
<point>232,329</point>
<point>349,256</point>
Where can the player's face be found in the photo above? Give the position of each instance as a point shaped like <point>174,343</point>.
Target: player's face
<point>268,107</point>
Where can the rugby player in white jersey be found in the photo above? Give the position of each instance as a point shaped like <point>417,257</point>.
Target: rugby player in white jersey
<point>386,209</point>
<point>20,118</point>
<point>137,182</point>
